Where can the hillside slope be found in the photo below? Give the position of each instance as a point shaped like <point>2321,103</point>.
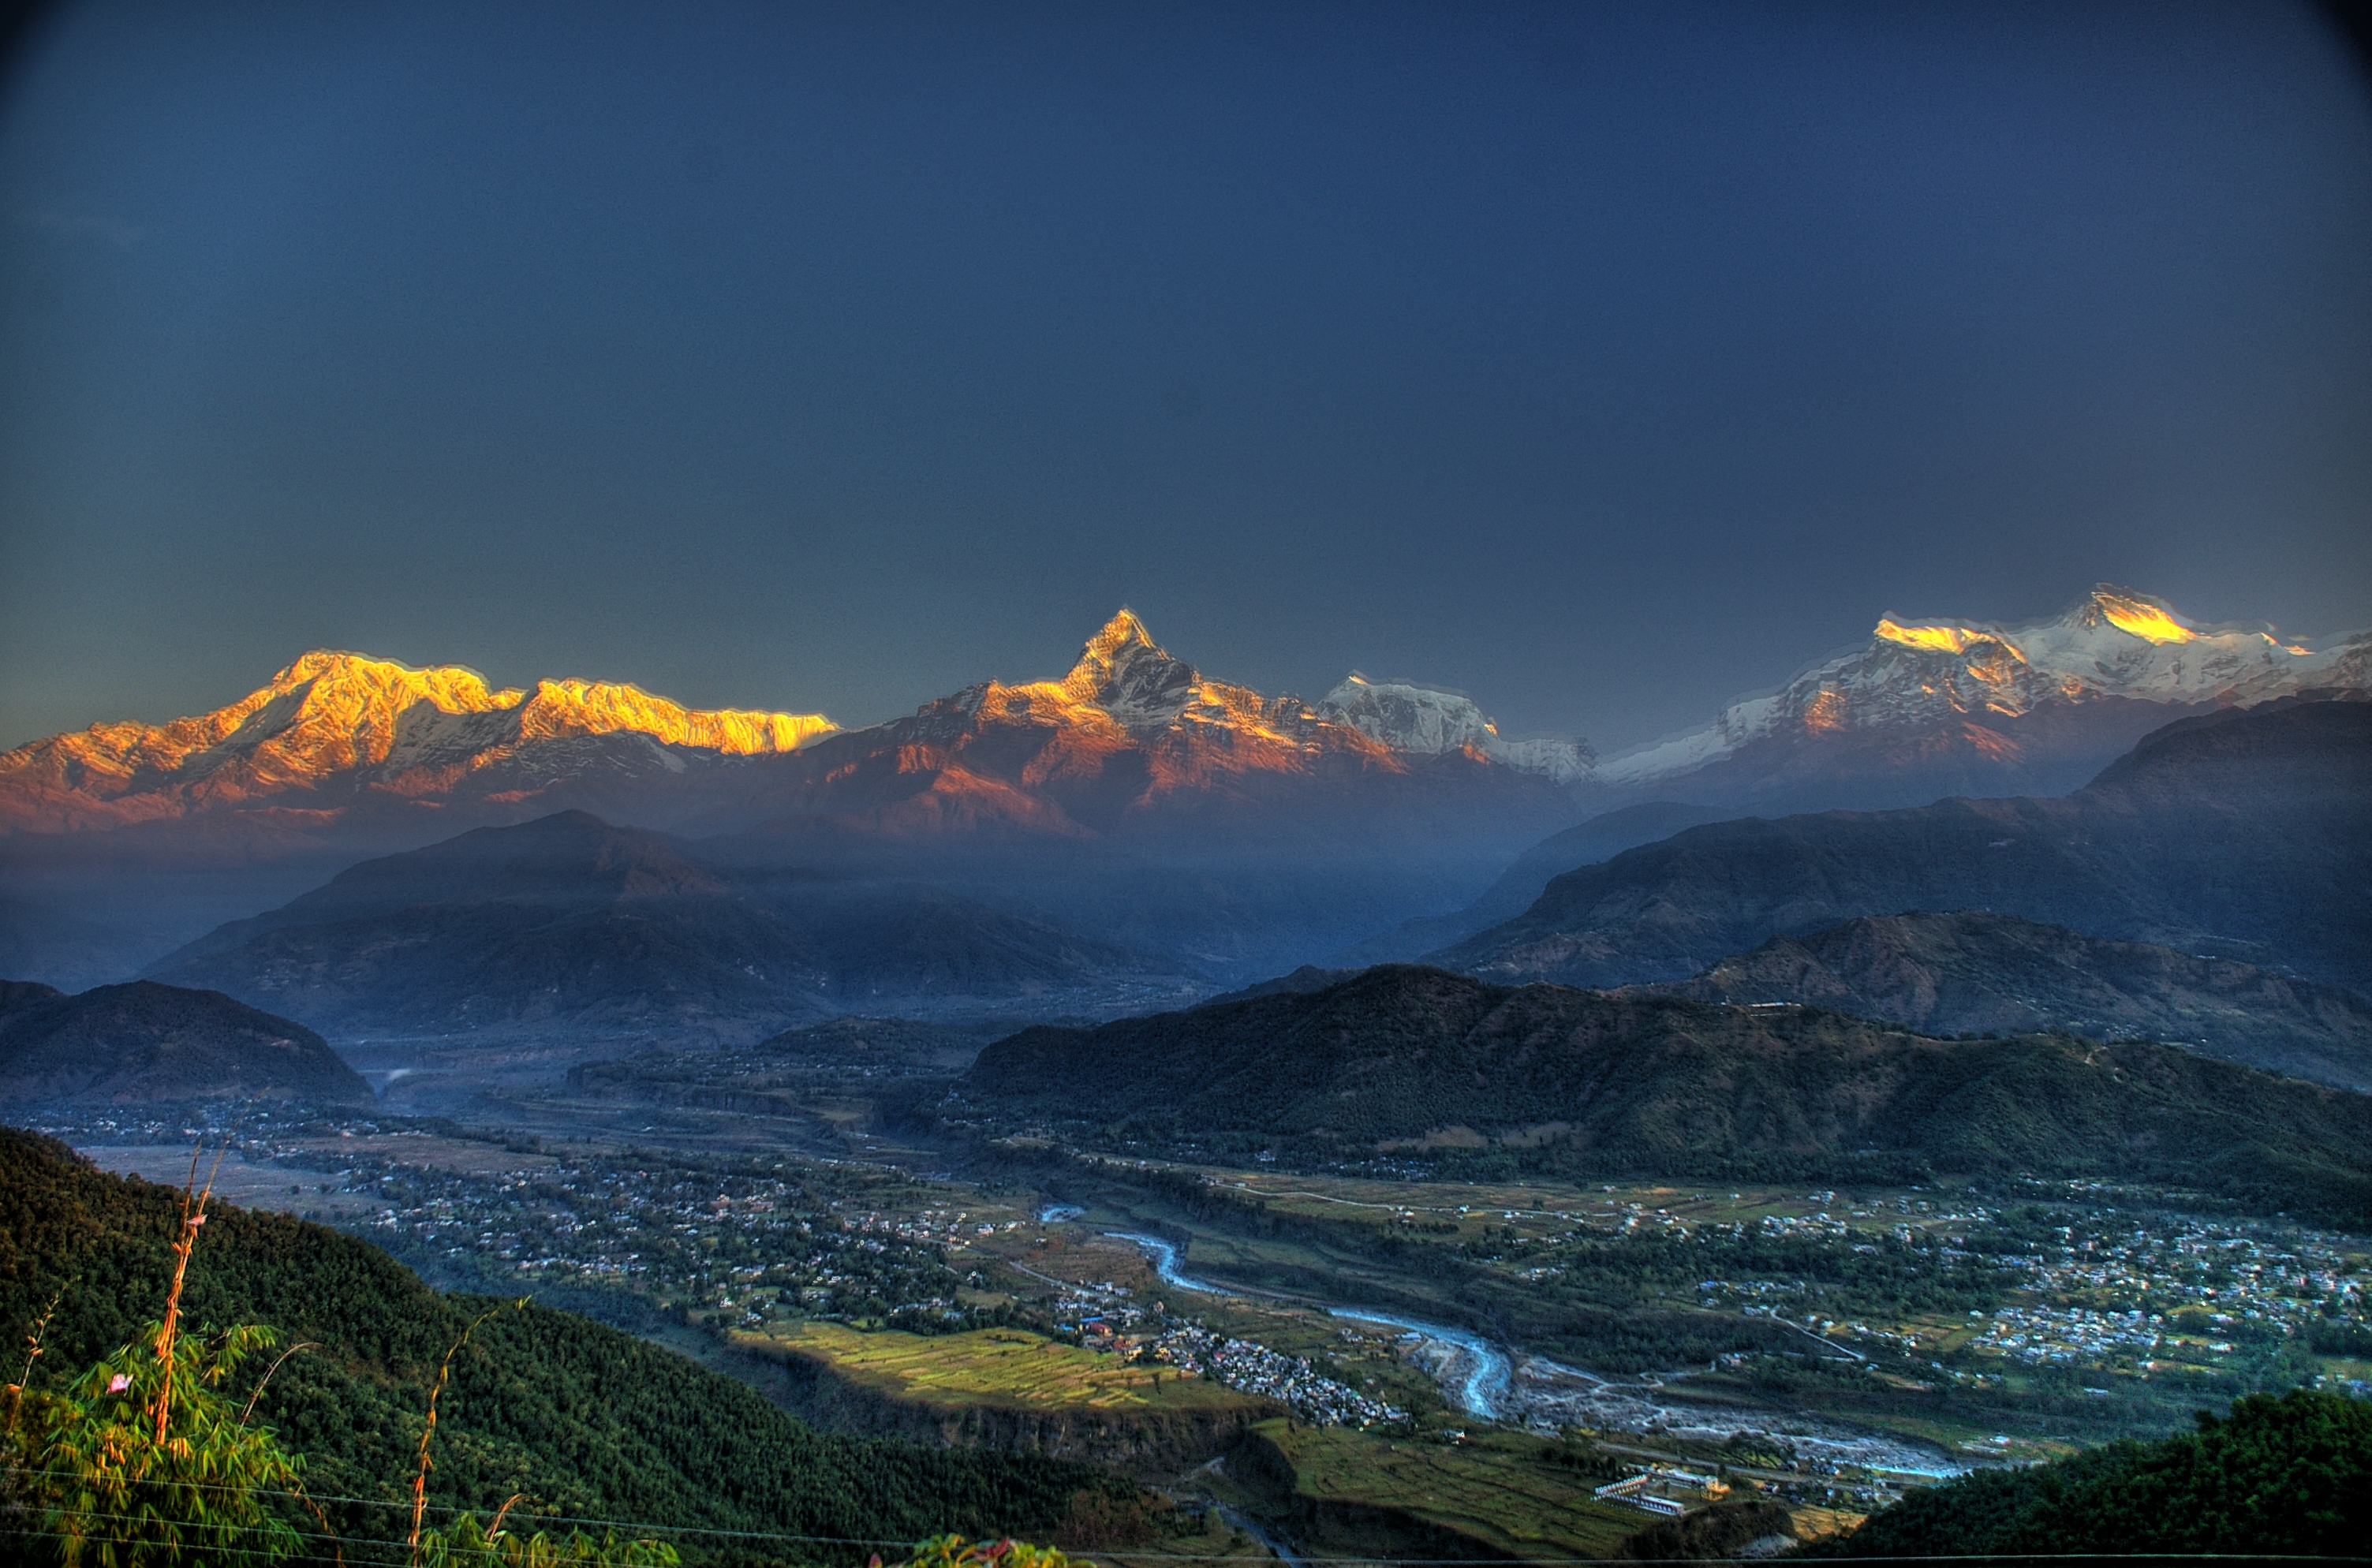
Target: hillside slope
<point>2281,1478</point>
<point>127,1044</point>
<point>1978,972</point>
<point>2247,833</point>
<point>1404,1058</point>
<point>587,1420</point>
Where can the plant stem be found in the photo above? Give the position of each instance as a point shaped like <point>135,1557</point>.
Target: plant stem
<point>420,1476</point>
<point>183,1247</point>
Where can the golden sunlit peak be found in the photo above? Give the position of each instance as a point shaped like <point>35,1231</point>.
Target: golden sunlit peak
<point>1120,631</point>
<point>587,707</point>
<point>2140,617</point>
<point>453,687</point>
<point>1103,650</point>
<point>1941,639</point>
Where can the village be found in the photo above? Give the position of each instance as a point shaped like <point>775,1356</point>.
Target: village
<point>2043,1282</point>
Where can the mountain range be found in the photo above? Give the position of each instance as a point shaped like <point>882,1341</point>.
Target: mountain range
<point>1127,730</point>
<point>1134,790</point>
<point>2245,832</point>
<point>1603,837</point>
<point>144,1042</point>
<point>568,925</point>
<point>1134,797</point>
<point>1410,1063</point>
<point>344,733</point>
<point>1930,708</point>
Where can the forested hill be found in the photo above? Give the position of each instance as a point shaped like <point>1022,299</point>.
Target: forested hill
<point>2286,1476</point>
<point>1406,1061</point>
<point>123,1044</point>
<point>586,1420</point>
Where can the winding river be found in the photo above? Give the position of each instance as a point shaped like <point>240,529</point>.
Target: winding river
<point>1481,1371</point>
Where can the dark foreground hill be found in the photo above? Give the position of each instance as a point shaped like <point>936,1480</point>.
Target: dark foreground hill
<point>127,1044</point>
<point>570,923</point>
<point>584,1420</point>
<point>1544,1078</point>
<point>1976,972</point>
<point>2286,1476</point>
<point>2247,833</point>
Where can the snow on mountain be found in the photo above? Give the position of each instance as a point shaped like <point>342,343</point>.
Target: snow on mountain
<point>330,715</point>
<point>1423,719</point>
<point>334,728</point>
<point>1124,689</point>
<point>1126,686</point>
<point>2113,643</point>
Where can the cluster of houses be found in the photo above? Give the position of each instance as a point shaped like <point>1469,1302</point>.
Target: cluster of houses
<point>1106,1318</point>
<point>1256,1369</point>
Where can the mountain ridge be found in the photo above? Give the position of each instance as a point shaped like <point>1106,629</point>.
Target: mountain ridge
<point>1412,1062</point>
<point>1973,972</point>
<point>569,924</point>
<point>2248,831</point>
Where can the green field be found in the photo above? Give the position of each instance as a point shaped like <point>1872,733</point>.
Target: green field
<point>1007,1367</point>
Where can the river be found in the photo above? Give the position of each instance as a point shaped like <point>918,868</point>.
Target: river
<point>1492,1384</point>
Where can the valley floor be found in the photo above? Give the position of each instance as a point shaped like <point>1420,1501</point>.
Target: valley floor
<point>1337,1362</point>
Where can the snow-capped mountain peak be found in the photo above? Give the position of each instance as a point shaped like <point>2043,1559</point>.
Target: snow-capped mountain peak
<point>1431,721</point>
<point>2112,643</point>
<point>1132,678</point>
<point>1127,687</point>
<point>332,715</point>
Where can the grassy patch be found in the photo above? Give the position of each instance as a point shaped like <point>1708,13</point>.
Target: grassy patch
<point>1007,1367</point>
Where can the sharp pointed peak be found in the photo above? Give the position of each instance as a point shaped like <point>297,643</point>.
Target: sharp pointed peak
<point>1113,640</point>
<point>2137,614</point>
<point>1123,630</point>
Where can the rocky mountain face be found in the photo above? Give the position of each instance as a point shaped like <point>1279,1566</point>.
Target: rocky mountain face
<point>1977,973</point>
<point>144,1042</point>
<point>569,926</point>
<point>1930,708</point>
<point>1401,1061</point>
<point>2245,833</point>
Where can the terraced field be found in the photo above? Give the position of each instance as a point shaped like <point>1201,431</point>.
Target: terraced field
<point>1354,1492</point>
<point>1007,1367</point>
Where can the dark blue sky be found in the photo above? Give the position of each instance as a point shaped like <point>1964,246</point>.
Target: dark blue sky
<point>1602,360</point>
